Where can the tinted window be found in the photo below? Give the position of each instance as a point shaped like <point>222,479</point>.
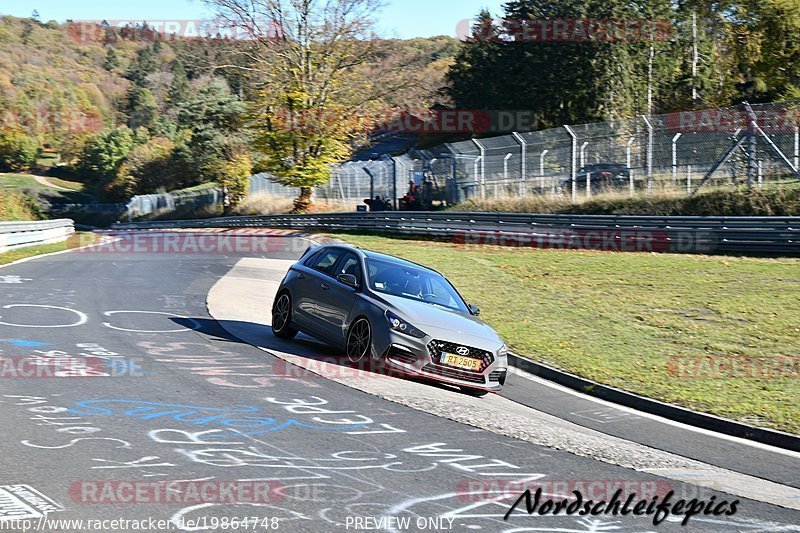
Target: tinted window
<point>350,265</point>
<point>413,283</point>
<point>325,260</point>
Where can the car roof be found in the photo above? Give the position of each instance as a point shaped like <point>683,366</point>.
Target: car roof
<point>369,254</point>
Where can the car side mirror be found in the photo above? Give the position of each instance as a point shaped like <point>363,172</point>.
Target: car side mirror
<point>348,279</point>
<point>474,309</point>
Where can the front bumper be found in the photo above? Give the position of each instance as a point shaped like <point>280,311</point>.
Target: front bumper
<point>421,357</point>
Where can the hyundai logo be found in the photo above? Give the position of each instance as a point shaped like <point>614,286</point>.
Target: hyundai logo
<point>462,350</point>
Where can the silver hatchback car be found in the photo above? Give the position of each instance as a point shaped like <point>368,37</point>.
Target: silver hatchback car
<point>390,310</point>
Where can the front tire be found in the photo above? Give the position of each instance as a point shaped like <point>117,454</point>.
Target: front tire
<point>359,340</point>
<point>282,317</point>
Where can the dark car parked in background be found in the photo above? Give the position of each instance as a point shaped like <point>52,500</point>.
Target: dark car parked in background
<point>602,176</point>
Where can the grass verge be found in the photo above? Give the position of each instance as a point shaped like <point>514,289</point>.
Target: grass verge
<point>627,319</point>
<point>76,240</point>
<point>784,201</point>
<point>17,206</point>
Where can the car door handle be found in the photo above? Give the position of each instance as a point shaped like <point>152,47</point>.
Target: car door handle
<point>301,275</point>
<point>325,286</point>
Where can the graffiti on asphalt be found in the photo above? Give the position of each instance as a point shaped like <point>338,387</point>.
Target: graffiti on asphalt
<point>239,419</point>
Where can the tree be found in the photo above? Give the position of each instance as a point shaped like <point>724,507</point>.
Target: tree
<point>146,168</point>
<point>18,151</point>
<point>214,118</point>
<point>475,64</point>
<point>309,60</point>
<point>142,66</point>
<point>102,155</point>
<point>142,108</point>
<point>577,79</point>
<point>179,89</point>
<point>112,60</point>
<point>767,48</point>
<point>232,174</point>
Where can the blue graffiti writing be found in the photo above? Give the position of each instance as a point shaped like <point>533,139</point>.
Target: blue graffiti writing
<point>25,344</point>
<point>240,419</point>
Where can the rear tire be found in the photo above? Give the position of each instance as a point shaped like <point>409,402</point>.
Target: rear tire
<point>282,317</point>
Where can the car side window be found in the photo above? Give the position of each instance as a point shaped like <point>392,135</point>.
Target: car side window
<point>326,260</point>
<point>350,265</point>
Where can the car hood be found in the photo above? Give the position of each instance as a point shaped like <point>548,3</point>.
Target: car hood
<point>424,315</point>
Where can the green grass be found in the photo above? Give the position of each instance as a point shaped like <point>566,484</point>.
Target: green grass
<point>196,188</point>
<point>17,206</point>
<point>620,318</point>
<point>20,182</point>
<point>770,201</point>
<point>28,182</point>
<point>76,240</point>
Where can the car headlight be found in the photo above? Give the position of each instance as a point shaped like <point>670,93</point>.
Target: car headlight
<point>401,326</point>
<point>503,351</point>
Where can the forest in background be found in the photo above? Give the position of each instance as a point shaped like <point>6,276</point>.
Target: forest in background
<point>132,111</point>
<point>700,55</point>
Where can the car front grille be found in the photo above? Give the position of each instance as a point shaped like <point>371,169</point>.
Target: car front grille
<point>449,372</point>
<point>436,347</point>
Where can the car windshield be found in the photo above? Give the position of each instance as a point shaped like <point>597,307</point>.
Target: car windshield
<point>406,281</point>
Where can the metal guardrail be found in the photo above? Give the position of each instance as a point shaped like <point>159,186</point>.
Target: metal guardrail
<point>770,235</point>
<point>15,235</point>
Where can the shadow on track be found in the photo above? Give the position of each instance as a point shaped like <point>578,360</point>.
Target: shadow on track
<point>314,358</point>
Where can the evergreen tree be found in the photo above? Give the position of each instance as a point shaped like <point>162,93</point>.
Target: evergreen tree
<point>142,66</point>
<point>142,108</point>
<point>112,60</point>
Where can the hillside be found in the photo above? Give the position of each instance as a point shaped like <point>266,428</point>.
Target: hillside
<point>54,86</point>
<point>15,206</point>
<point>130,111</point>
<point>60,81</point>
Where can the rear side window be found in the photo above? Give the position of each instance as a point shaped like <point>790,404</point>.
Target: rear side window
<point>325,261</point>
<point>350,265</point>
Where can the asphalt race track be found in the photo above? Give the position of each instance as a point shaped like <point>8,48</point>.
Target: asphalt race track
<point>188,404</point>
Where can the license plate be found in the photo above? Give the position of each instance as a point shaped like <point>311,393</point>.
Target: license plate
<point>461,362</point>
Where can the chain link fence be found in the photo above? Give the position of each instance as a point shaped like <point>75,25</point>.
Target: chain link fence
<point>674,153</point>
